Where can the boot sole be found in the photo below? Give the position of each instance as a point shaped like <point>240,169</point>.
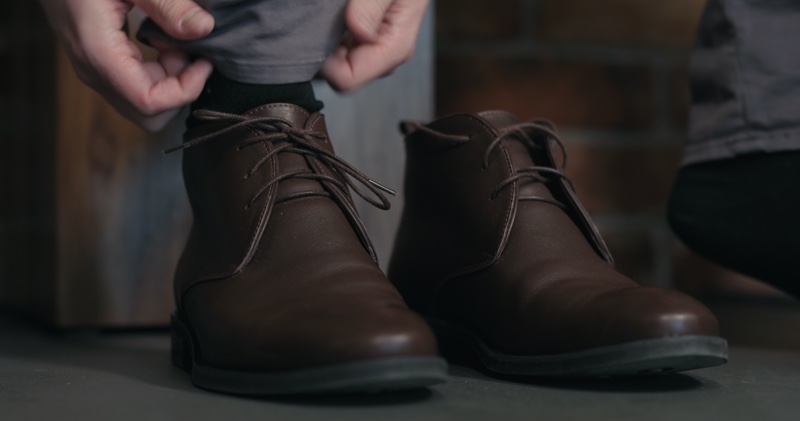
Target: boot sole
<point>645,357</point>
<point>373,376</point>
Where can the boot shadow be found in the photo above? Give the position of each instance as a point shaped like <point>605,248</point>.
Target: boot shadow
<point>673,382</point>
<point>143,355</point>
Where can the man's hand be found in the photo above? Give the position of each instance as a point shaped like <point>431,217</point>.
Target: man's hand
<point>381,35</point>
<point>148,93</point>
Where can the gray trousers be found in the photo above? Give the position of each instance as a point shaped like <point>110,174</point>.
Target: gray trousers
<point>745,80</point>
<point>265,41</point>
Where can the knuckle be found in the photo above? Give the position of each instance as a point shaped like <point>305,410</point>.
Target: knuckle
<point>340,86</point>
<point>405,56</point>
<point>181,8</point>
<point>410,50</point>
<point>172,11</point>
<point>144,105</point>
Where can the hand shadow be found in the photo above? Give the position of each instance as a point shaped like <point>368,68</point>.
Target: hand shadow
<point>673,382</point>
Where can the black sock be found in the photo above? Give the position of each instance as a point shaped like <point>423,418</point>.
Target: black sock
<point>744,214</point>
<point>228,96</point>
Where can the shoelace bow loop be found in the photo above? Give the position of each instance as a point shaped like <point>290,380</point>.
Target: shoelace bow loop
<point>537,134</point>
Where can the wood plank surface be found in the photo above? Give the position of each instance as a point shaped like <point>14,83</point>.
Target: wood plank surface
<point>93,217</point>
<point>122,213</point>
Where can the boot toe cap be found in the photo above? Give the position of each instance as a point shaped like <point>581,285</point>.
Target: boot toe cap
<point>647,313</point>
<point>304,340</point>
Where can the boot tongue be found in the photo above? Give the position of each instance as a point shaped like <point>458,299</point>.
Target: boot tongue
<point>292,114</point>
<point>287,162</point>
<point>499,119</point>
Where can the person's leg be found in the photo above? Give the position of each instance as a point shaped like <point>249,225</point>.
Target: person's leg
<point>278,289</point>
<point>742,213</point>
<point>735,199</point>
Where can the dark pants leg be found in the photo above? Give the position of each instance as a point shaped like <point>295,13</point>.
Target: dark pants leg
<point>736,200</point>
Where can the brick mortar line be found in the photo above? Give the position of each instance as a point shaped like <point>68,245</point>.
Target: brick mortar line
<point>662,100</point>
<point>600,54</point>
<point>529,23</point>
<point>654,140</point>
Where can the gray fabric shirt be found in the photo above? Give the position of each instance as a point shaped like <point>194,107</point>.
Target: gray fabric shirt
<point>745,80</point>
<point>265,41</point>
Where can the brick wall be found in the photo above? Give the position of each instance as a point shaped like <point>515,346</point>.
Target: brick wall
<point>612,75</point>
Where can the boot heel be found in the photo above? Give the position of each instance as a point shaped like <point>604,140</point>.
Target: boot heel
<point>181,345</point>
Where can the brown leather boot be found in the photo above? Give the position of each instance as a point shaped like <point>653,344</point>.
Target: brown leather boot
<point>278,290</point>
<point>495,250</point>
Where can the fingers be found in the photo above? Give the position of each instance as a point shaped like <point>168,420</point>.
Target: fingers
<point>364,18</point>
<point>178,89</point>
<point>149,93</point>
<point>357,60</point>
<point>181,19</point>
<point>155,87</point>
<point>156,123</point>
<point>346,70</point>
<point>173,62</point>
<point>154,106</point>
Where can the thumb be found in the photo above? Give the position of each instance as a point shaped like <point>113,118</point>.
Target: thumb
<point>181,19</point>
<point>364,17</point>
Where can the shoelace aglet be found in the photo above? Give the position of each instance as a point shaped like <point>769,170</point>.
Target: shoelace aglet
<point>170,150</point>
<point>383,188</point>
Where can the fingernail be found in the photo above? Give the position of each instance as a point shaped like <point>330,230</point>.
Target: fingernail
<point>198,21</point>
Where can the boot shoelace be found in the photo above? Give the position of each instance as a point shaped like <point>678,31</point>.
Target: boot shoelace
<point>290,139</point>
<point>286,138</point>
<point>532,134</point>
<point>299,141</point>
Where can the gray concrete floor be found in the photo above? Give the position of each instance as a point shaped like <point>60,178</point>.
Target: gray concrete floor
<point>126,375</point>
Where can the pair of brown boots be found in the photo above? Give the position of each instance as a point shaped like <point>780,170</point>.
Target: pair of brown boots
<point>279,292</point>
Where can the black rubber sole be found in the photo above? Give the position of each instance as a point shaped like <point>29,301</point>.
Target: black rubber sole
<point>646,357</point>
<point>381,375</point>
